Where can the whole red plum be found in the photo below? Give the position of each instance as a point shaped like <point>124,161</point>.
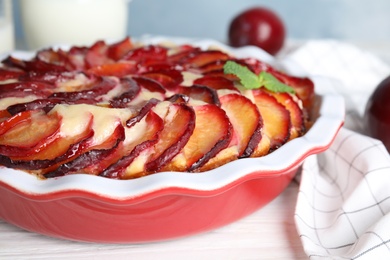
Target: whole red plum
<point>377,113</point>
<point>260,27</point>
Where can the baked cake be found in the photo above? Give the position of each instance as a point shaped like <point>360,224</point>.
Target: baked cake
<point>126,110</point>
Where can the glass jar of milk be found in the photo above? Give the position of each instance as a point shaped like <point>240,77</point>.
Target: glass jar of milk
<point>72,22</point>
<point>7,43</point>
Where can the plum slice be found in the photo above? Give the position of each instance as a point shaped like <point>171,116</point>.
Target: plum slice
<point>149,58</point>
<point>102,86</point>
<point>169,79</point>
<point>212,67</point>
<point>49,77</point>
<point>85,130</point>
<point>118,69</point>
<point>108,133</point>
<point>56,150</point>
<point>276,121</point>
<point>246,120</point>
<point>296,114</point>
<point>139,137</point>
<point>118,50</point>
<point>33,65</point>
<point>10,73</point>
<point>89,157</point>
<point>11,120</point>
<point>212,133</point>
<point>179,124</point>
<point>26,88</point>
<point>200,93</point>
<point>202,58</point>
<point>182,52</point>
<point>96,55</point>
<point>216,82</point>
<point>149,84</point>
<point>148,52</point>
<point>45,104</point>
<point>131,90</point>
<point>55,57</point>
<point>76,56</point>
<point>28,132</point>
<point>142,112</point>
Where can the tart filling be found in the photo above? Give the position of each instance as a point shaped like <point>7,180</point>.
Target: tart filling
<point>125,110</point>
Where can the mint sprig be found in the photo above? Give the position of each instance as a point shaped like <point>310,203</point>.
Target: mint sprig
<point>252,81</point>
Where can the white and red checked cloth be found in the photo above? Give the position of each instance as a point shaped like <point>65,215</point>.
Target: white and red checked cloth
<point>343,206</point>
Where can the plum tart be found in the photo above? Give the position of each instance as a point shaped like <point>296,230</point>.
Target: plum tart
<point>126,109</point>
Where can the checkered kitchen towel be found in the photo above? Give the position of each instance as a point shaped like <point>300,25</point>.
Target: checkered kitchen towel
<point>343,206</point>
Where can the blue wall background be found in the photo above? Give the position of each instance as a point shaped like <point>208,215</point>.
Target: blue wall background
<point>356,20</point>
<point>352,20</point>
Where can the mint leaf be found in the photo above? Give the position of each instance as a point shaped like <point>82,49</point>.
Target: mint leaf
<point>247,78</point>
<point>252,81</point>
<point>273,84</point>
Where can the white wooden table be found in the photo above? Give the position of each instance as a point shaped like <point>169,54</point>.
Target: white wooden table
<point>269,233</point>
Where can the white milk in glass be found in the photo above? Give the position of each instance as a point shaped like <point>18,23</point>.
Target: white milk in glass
<point>75,22</point>
<point>7,43</point>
